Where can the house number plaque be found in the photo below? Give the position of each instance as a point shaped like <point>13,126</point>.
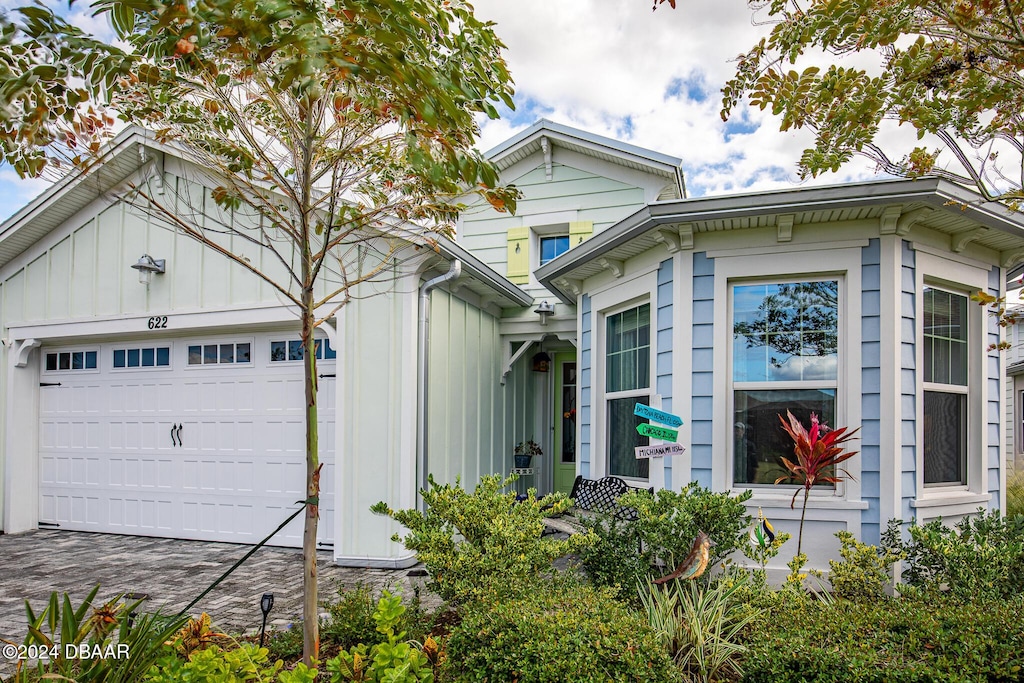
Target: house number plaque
<point>158,322</point>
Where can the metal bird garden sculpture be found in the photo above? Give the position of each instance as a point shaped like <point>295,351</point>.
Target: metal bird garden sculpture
<point>694,564</point>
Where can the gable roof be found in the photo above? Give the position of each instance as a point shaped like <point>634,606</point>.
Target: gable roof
<point>72,193</point>
<point>532,140</point>
<point>934,203</point>
<point>125,155</point>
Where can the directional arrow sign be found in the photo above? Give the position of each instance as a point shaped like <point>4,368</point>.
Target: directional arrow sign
<point>658,451</point>
<point>663,433</point>
<point>649,413</point>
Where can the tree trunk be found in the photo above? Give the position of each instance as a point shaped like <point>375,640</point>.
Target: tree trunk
<point>310,614</point>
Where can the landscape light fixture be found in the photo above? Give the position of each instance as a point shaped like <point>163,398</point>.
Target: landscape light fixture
<point>266,604</point>
<point>146,266</point>
<point>545,311</point>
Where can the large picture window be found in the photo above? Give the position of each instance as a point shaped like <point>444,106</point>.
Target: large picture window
<point>627,382</point>
<point>945,387</point>
<point>785,356</point>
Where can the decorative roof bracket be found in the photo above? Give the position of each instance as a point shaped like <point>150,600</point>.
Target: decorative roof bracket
<point>545,145</point>
<point>784,224</point>
<point>669,238</point>
<point>24,349</point>
<point>617,268</point>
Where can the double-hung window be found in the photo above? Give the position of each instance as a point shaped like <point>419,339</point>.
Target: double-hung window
<point>785,357</point>
<point>945,387</point>
<point>627,382</point>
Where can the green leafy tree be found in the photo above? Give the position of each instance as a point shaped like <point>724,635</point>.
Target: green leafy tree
<point>334,135</point>
<point>952,70</point>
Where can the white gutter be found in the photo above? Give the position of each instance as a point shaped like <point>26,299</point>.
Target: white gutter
<point>454,271</point>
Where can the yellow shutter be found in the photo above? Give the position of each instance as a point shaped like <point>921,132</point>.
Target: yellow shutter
<point>580,231</point>
<point>519,255</point>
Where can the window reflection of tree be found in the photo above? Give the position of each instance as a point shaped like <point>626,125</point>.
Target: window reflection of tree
<point>800,319</point>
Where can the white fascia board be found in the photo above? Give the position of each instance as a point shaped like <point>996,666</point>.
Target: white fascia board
<point>938,193</point>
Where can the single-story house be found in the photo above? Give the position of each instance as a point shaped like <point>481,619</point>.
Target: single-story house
<point>174,408</point>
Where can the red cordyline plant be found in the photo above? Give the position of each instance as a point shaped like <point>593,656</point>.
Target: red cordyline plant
<point>818,452</point>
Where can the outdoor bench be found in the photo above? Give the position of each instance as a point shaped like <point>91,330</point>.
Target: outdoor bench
<point>596,495</point>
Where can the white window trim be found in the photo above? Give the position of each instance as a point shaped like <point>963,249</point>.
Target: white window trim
<point>635,292</point>
<point>127,346</point>
<point>210,342</point>
<point>289,337</point>
<point>784,385</point>
<point>960,278</point>
<point>844,265</point>
<point>71,349</point>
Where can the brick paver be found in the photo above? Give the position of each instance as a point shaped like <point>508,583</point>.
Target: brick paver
<point>172,573</point>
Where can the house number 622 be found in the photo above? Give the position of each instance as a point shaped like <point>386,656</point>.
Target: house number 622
<point>158,322</point>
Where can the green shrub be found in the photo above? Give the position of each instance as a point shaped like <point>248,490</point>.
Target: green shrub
<point>485,543</point>
<point>699,625</point>
<point>349,619</point>
<point>245,663</point>
<point>563,631</point>
<point>864,571</point>
<point>666,525</point>
<point>981,558</point>
<point>285,643</point>
<point>892,640</point>
<point>393,659</point>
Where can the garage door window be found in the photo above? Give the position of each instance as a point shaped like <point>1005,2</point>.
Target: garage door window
<point>220,354</point>
<point>283,351</point>
<point>71,360</point>
<point>148,357</point>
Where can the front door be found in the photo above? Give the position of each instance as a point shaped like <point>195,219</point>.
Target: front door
<point>565,422</point>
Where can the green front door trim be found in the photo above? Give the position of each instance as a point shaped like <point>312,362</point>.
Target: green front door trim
<point>564,419</point>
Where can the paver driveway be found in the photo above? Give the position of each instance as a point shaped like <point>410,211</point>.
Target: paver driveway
<point>171,572</point>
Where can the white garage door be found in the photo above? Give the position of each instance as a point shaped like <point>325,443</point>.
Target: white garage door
<point>199,438</point>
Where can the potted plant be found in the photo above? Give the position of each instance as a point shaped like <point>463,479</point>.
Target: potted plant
<point>524,452</point>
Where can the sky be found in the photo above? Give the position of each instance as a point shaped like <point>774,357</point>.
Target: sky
<point>619,69</point>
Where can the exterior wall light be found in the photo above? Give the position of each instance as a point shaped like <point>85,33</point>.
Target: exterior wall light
<point>545,311</point>
<point>146,266</point>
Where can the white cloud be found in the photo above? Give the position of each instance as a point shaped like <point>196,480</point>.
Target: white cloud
<point>653,79</point>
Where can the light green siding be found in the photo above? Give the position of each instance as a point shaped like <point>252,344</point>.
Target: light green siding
<point>589,196</point>
<point>469,432</point>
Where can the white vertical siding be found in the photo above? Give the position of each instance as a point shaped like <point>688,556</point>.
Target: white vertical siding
<point>468,428</point>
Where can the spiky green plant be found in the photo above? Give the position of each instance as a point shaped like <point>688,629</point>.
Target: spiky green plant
<point>699,625</point>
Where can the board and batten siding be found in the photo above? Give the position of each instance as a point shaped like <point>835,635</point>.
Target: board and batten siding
<point>83,270</point>
<point>376,444</point>
<point>468,410</point>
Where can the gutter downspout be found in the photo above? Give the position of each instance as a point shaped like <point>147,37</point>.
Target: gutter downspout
<point>454,271</point>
